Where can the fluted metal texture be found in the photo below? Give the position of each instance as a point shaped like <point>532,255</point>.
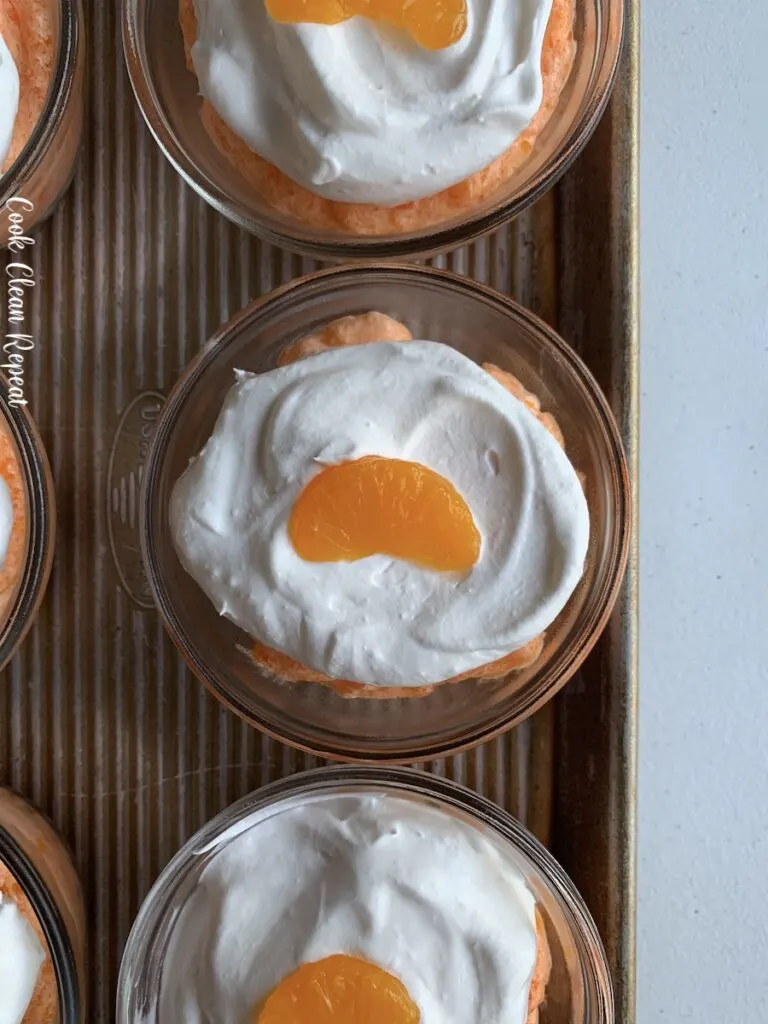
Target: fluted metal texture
<point>101,724</point>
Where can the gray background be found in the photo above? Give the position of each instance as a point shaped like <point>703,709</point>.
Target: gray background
<point>703,872</point>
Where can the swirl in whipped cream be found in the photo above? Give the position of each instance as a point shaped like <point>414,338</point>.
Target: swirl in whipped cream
<point>359,112</point>
<point>417,892</point>
<point>380,620</point>
<point>9,99</point>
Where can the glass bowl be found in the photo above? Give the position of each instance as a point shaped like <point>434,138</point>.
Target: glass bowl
<point>37,179</point>
<point>486,327</point>
<point>167,94</point>
<point>41,865</point>
<point>20,602</point>
<point>579,990</point>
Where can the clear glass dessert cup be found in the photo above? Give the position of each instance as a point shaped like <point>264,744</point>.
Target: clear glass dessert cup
<point>167,93</point>
<point>579,990</point>
<point>41,865</point>
<point>484,326</point>
<point>19,605</point>
<point>35,182</point>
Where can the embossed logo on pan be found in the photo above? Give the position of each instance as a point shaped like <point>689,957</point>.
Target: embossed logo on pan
<point>126,468</point>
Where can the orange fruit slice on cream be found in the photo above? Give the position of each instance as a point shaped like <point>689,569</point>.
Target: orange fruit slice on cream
<point>383,506</point>
<point>339,990</point>
<point>434,24</point>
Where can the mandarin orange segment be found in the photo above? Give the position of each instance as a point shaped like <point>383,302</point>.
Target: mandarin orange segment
<point>434,24</point>
<point>339,990</point>
<point>319,12</point>
<point>384,506</point>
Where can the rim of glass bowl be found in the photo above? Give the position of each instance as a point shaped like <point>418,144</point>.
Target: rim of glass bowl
<point>70,1001</point>
<point>56,103</point>
<point>41,523</point>
<point>612,21</point>
<point>153,913</point>
<point>564,663</point>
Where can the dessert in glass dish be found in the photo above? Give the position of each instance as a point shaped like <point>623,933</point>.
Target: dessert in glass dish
<point>393,129</point>
<point>27,522</point>
<point>341,127</point>
<point>386,482</point>
<point>380,896</point>
<point>383,516</point>
<point>41,108</point>
<point>42,921</point>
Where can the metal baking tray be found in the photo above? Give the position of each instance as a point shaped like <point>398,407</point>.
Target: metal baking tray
<point>101,724</point>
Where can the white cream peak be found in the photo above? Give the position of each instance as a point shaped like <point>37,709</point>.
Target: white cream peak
<point>380,620</point>
<point>359,112</point>
<point>397,882</point>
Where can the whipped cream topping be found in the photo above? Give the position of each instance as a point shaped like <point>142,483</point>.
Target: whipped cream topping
<point>9,99</point>
<point>6,519</point>
<point>359,112</point>
<point>397,882</point>
<point>380,620</point>
<point>21,957</point>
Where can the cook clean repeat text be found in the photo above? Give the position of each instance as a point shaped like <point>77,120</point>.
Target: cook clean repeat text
<point>20,280</point>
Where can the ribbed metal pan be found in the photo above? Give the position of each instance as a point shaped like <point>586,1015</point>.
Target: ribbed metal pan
<point>100,722</point>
